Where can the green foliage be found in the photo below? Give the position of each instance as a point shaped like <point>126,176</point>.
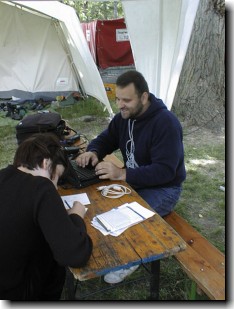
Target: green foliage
<point>89,10</point>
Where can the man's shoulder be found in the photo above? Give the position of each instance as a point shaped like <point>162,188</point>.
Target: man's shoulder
<point>168,114</point>
<point>166,119</point>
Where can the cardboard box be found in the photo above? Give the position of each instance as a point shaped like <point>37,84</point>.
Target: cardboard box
<point>110,90</point>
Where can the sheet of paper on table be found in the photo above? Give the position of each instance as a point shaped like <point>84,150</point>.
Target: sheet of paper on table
<point>70,199</point>
<point>117,220</point>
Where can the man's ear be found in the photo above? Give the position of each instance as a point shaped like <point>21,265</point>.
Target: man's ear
<point>145,97</point>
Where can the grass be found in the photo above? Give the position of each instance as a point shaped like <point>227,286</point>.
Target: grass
<point>202,202</point>
<point>72,114</point>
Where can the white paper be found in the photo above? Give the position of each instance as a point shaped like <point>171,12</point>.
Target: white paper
<point>146,213</point>
<point>70,199</point>
<point>117,220</point>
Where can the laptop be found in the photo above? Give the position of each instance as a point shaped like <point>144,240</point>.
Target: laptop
<point>79,177</point>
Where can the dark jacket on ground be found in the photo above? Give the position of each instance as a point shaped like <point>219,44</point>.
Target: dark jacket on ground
<point>33,220</point>
<point>158,146</point>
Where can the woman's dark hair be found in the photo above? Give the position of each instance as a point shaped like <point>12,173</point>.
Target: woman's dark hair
<point>134,77</point>
<point>32,151</point>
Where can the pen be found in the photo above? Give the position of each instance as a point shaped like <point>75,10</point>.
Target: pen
<point>67,204</point>
<point>100,222</point>
<point>135,212</point>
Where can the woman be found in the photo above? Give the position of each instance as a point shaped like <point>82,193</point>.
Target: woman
<point>38,236</point>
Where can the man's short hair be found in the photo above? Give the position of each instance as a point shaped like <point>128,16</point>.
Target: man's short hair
<point>134,77</point>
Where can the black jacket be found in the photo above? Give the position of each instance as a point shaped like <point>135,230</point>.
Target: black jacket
<point>33,219</point>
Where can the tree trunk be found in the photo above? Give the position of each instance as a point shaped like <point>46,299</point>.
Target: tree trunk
<point>200,95</point>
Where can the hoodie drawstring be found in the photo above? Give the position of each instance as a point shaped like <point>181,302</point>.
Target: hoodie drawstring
<point>131,163</point>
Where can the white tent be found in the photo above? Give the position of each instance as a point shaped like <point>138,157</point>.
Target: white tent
<point>43,52</point>
<point>159,32</point>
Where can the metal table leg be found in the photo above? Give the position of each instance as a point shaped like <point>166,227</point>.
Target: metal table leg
<point>155,280</point>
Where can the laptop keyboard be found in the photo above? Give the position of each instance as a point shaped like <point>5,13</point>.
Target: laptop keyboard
<point>83,173</point>
<point>79,177</point>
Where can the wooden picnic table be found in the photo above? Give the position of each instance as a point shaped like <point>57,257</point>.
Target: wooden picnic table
<point>147,242</point>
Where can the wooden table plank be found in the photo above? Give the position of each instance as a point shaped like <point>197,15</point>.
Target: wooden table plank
<point>147,241</point>
<point>106,258</point>
<point>159,237</point>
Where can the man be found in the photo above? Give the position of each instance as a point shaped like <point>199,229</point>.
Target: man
<point>38,236</point>
<point>149,137</point>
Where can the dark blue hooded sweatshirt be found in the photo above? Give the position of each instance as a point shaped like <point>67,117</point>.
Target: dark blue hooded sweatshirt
<point>151,146</point>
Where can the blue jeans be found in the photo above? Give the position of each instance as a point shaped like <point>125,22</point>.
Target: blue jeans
<point>162,200</point>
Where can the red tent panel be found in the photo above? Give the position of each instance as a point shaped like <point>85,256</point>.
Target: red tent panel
<point>89,30</point>
<point>108,42</point>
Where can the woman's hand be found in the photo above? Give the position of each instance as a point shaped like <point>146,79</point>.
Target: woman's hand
<point>78,209</point>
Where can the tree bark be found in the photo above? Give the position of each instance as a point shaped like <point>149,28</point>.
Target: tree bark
<point>200,95</point>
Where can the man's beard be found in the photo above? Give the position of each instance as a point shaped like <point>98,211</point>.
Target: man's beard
<point>137,111</point>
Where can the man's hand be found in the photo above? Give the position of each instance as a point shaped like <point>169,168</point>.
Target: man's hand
<point>86,158</point>
<point>107,170</point>
<point>78,209</point>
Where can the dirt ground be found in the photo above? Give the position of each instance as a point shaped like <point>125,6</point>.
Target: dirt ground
<point>201,137</point>
<point>205,213</point>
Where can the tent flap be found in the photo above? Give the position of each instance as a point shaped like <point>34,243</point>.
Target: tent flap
<point>159,33</point>
<point>159,40</point>
<point>37,57</point>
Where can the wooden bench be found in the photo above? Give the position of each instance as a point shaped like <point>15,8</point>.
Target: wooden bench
<point>202,261</point>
